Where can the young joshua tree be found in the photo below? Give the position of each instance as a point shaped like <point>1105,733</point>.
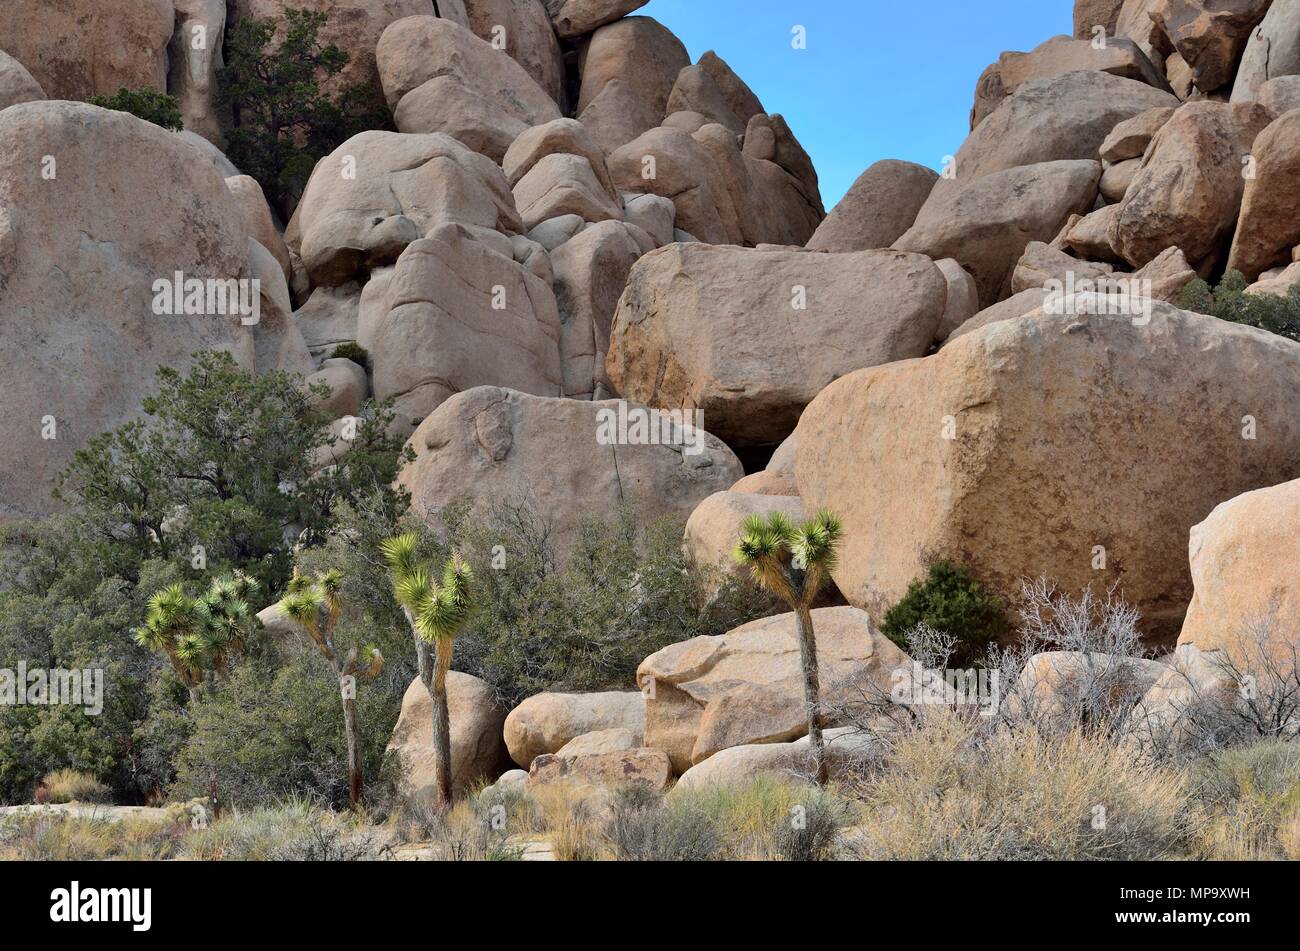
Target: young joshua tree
<point>793,563</point>
<point>436,611</point>
<point>316,606</point>
<point>200,635</point>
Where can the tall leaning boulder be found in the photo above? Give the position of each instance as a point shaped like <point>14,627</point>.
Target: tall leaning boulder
<point>78,274</point>
<point>569,458</point>
<point>1188,191</point>
<point>1209,34</point>
<point>1267,229</point>
<point>749,337</point>
<point>878,207</point>
<point>1083,448</point>
<point>16,83</point>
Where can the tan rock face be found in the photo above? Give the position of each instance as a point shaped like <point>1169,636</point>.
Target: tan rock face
<point>987,225</point>
<point>1273,50</point>
<point>963,297</point>
<point>712,89</point>
<point>1018,399</point>
<point>548,722</point>
<point>737,765</point>
<point>82,49</point>
<point>1116,180</point>
<point>82,295</point>
<point>1053,684</point>
<point>562,184</point>
<point>617,115</point>
<point>379,191</point>
<point>570,457</point>
<point>573,18</point>
<point>638,51</point>
<point>602,741</point>
<point>881,205</point>
<point>1047,120</point>
<point>525,28</point>
<point>258,220</point>
<point>722,195</point>
<point>715,526</point>
<point>610,769</point>
<point>477,750</point>
<point>746,686</point>
<point>16,83</point>
<point>1243,558</point>
<point>1090,14</point>
<point>1210,34</point>
<point>1188,192</point>
<point>440,77</point>
<point>782,325</point>
<point>1267,229</point>
<point>460,315</point>
<point>1129,139</point>
<point>1135,22</point>
<point>1281,94</point>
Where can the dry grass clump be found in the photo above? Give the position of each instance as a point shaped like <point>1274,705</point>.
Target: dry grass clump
<point>952,790</point>
<point>71,785</point>
<point>1252,795</point>
<point>58,837</point>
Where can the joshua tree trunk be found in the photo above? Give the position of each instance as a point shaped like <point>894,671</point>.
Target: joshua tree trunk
<point>434,662</point>
<point>354,751</point>
<point>811,691</point>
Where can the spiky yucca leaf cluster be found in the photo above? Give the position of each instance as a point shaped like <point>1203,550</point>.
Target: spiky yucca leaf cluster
<point>200,633</point>
<point>438,608</point>
<point>791,562</point>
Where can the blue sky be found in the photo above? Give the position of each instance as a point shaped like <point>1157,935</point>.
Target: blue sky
<point>879,79</point>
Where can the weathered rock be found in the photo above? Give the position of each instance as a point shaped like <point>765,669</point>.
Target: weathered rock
<point>1020,398</point>
<point>1268,229</point>
<point>477,752</point>
<point>1116,180</point>
<point>1063,117</point>
<point>715,527</point>
<point>525,28</point>
<point>1129,139</point>
<point>782,325</point>
<point>1168,273</point>
<point>84,294</point>
<point>440,77</point>
<point>878,208</point>
<point>561,184</point>
<point>572,18</point>
<point>547,722</point>
<point>1017,305</point>
<point>1090,14</point>
<point>1247,597</point>
<point>1135,23</point>
<point>329,318</point>
<point>1042,263</point>
<point>609,769</point>
<point>778,478</point>
<point>746,686</point>
<point>987,225</point>
<point>490,444</point>
<point>638,51</point>
<point>562,136</point>
<point>847,749</point>
<point>553,232</point>
<point>591,271</point>
<point>653,213</point>
<point>81,49</point>
<point>722,196</point>
<point>1089,237</point>
<point>1194,681</point>
<point>16,83</point>
<point>963,297</point>
<point>347,383</point>
<point>617,116</point>
<point>460,315</point>
<point>1279,95</point>
<point>379,191</point>
<point>1272,50</point>
<point>601,741</point>
<point>712,89</point>
<point>1277,281</point>
<point>258,220</point>
<point>1210,34</point>
<point>1055,684</point>
<point>1189,189</point>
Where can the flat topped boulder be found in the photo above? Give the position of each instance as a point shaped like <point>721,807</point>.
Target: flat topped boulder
<point>746,686</point>
<point>571,458</point>
<point>554,722</point>
<point>749,337</point>
<point>79,297</point>
<point>1050,446</point>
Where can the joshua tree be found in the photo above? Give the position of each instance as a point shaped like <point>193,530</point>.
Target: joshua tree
<point>203,634</point>
<point>316,607</point>
<point>436,611</point>
<point>793,563</point>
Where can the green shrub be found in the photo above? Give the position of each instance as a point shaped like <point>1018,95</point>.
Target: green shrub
<point>70,785</point>
<point>1228,301</point>
<point>950,601</point>
<point>283,123</point>
<point>643,828</point>
<point>354,352</point>
<point>147,104</point>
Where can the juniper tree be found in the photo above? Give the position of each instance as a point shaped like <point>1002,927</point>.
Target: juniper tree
<point>316,606</point>
<point>200,635</point>
<point>436,610</point>
<point>793,563</point>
